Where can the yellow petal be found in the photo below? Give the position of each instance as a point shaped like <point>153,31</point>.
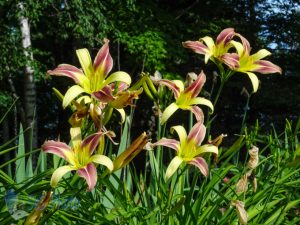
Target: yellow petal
<point>173,166</point>
<point>202,101</point>
<point>181,133</point>
<point>75,133</point>
<point>254,81</point>
<point>122,113</point>
<point>208,148</point>
<point>179,84</point>
<point>209,42</point>
<point>118,76</point>
<point>239,47</point>
<point>71,94</point>
<point>103,160</point>
<point>168,112</point>
<point>85,62</point>
<point>59,173</point>
<point>260,54</point>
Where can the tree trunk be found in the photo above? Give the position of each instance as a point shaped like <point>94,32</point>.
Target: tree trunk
<point>29,98</point>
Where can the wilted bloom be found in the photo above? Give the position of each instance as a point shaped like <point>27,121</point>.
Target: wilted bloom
<point>241,212</point>
<point>188,149</point>
<point>206,46</point>
<point>243,62</point>
<point>79,156</point>
<point>242,184</point>
<point>186,99</point>
<point>35,216</point>
<point>253,161</point>
<point>92,79</point>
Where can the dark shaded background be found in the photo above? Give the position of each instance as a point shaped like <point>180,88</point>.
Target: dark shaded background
<point>147,35</point>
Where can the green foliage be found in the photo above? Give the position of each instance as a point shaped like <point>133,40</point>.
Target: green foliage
<point>148,48</point>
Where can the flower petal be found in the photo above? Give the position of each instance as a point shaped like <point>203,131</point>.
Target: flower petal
<point>232,60</point>
<point>198,113</point>
<point>254,81</point>
<point>197,133</point>
<point>69,71</point>
<point>173,166</point>
<point>196,86</point>
<point>196,46</point>
<point>209,42</point>
<point>59,173</point>
<point>260,54</point>
<point>85,62</point>
<point>201,164</point>
<point>246,44</point>
<point>171,85</point>
<point>56,147</point>
<point>208,148</point>
<point>91,142</point>
<point>265,67</point>
<point>122,114</point>
<point>239,47</point>
<point>118,76</point>
<point>89,173</point>
<point>104,95</point>
<point>103,62</point>
<point>75,133</point>
<point>71,94</point>
<point>225,36</point>
<point>202,101</point>
<point>181,133</point>
<point>103,160</point>
<point>168,112</point>
<point>170,143</point>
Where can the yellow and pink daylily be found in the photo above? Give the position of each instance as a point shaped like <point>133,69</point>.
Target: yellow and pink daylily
<point>188,149</point>
<point>93,78</point>
<point>80,156</point>
<point>186,99</point>
<point>211,50</point>
<point>243,62</point>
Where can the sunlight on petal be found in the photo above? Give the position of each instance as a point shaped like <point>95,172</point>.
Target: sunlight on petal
<point>181,133</point>
<point>173,166</point>
<point>59,173</point>
<point>118,76</point>
<point>168,112</point>
<point>202,101</point>
<point>71,94</point>
<point>260,54</point>
<point>103,160</point>
<point>85,62</point>
<point>254,81</point>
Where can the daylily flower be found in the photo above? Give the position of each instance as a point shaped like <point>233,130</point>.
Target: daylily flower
<point>243,62</point>
<point>188,149</point>
<point>79,156</point>
<point>93,76</point>
<point>186,99</point>
<point>211,50</point>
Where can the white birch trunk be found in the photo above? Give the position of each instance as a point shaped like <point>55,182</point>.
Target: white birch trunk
<point>29,100</point>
